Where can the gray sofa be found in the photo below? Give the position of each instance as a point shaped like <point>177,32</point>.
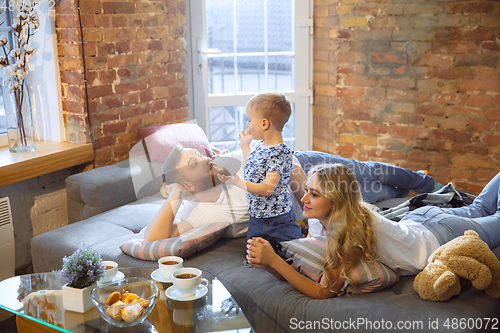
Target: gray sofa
<point>104,212</point>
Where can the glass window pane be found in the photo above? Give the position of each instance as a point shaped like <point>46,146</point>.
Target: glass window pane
<point>280,73</point>
<point>3,125</point>
<point>289,130</point>
<point>5,30</point>
<point>221,75</point>
<point>251,74</point>
<point>280,25</point>
<point>250,27</point>
<point>226,123</point>
<point>219,21</point>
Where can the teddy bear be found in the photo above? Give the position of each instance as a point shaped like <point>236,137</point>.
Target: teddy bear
<point>466,257</point>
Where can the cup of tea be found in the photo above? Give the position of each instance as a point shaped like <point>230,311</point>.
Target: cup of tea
<point>188,280</point>
<point>110,272</point>
<point>169,264</point>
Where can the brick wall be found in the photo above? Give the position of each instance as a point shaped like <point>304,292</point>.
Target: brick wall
<point>415,83</point>
<point>135,70</point>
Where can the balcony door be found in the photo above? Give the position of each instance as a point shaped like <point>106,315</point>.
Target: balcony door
<point>239,48</point>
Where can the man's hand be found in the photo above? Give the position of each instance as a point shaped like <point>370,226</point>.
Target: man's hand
<point>177,191</point>
<point>245,139</point>
<point>162,224</point>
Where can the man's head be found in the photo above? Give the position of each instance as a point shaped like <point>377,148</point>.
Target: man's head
<point>272,106</point>
<point>192,170</point>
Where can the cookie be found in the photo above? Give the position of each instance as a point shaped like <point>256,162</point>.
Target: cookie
<point>114,312</point>
<point>113,298</point>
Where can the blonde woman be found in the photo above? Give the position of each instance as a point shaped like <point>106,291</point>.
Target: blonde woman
<point>333,197</point>
<point>355,233</point>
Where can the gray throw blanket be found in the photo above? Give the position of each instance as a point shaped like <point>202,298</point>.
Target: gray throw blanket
<point>446,197</point>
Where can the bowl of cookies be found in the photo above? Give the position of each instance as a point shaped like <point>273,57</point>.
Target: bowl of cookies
<point>126,302</point>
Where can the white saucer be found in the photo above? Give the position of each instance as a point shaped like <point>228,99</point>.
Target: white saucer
<point>172,293</point>
<point>119,275</point>
<point>156,275</point>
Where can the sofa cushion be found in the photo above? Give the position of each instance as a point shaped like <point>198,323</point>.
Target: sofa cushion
<point>160,140</point>
<point>309,253</point>
<point>185,245</point>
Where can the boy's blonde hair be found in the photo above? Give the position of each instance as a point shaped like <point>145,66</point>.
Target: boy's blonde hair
<point>273,106</point>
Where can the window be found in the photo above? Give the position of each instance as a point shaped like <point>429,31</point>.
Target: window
<point>5,30</point>
<point>227,121</point>
<point>44,78</point>
<point>240,48</point>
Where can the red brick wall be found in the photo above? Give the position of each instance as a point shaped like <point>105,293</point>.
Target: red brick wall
<point>415,83</point>
<point>135,64</point>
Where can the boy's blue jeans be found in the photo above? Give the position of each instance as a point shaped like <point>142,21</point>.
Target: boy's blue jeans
<point>278,229</point>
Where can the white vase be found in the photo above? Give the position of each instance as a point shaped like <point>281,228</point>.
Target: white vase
<point>78,300</point>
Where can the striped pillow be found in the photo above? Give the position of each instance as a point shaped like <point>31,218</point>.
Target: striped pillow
<point>308,255</point>
<point>185,245</point>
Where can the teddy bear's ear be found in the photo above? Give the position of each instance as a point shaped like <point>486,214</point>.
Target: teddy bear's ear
<point>471,233</point>
<point>445,282</point>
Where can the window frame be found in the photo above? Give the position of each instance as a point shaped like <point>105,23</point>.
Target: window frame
<point>44,78</point>
<point>5,30</point>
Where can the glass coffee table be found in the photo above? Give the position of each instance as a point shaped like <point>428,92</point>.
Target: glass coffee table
<point>214,312</point>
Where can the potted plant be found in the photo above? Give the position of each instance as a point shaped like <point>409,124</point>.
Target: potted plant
<point>82,270</point>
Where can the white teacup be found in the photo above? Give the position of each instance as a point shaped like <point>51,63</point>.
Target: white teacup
<point>169,264</point>
<point>111,270</point>
<point>188,280</point>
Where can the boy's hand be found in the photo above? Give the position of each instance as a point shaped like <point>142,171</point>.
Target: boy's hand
<point>231,180</point>
<point>245,139</point>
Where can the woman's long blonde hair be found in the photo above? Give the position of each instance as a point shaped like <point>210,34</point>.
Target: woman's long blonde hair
<point>349,232</point>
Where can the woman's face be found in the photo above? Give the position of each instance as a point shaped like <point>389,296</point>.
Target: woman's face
<point>315,204</point>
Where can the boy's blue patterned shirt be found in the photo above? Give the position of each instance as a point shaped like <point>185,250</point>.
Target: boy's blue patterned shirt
<point>261,160</point>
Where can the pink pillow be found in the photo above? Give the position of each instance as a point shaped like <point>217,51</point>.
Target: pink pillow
<point>160,140</point>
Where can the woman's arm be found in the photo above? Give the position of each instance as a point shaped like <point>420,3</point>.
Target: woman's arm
<point>261,254</point>
<point>272,272</point>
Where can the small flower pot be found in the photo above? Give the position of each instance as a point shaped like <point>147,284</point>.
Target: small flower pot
<point>77,300</point>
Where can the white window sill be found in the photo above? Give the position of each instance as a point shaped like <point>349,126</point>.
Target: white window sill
<point>48,157</point>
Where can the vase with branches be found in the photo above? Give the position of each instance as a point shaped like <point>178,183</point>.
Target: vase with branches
<point>14,62</point>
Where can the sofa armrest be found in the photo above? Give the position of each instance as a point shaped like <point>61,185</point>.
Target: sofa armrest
<point>95,191</point>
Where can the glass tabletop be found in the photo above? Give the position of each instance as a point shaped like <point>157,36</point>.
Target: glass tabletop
<point>214,312</point>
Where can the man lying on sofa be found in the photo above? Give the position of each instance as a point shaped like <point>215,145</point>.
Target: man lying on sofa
<point>192,182</point>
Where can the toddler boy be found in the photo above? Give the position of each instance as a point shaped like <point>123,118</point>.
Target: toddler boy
<point>267,170</point>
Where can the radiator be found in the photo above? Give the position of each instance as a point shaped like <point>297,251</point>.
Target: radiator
<point>7,254</point>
